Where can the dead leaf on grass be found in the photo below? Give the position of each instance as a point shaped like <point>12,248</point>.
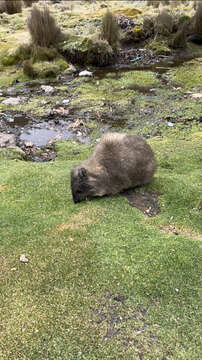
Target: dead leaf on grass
<point>4,187</point>
<point>62,111</point>
<point>76,124</point>
<point>62,227</point>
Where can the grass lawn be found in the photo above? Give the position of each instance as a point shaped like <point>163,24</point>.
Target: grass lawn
<point>103,281</point>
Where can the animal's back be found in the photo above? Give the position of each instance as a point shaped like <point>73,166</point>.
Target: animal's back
<point>128,159</point>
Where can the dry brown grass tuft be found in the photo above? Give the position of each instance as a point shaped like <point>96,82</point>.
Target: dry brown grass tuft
<point>28,69</point>
<point>29,3</point>
<point>179,39</point>
<point>110,29</point>
<point>80,220</point>
<point>42,27</point>
<point>164,23</point>
<point>2,6</point>
<point>197,20</point>
<point>172,230</point>
<point>13,6</point>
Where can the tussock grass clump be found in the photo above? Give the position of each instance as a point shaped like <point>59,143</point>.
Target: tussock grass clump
<point>42,27</point>
<point>2,6</point>
<point>28,69</point>
<point>29,3</point>
<point>148,26</point>
<point>179,39</point>
<point>197,20</point>
<point>86,51</point>
<point>164,23</point>
<point>110,29</point>
<point>13,6</point>
<point>24,52</point>
<point>40,53</point>
<point>152,3</point>
<point>156,3</point>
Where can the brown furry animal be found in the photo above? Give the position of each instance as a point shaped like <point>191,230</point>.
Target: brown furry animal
<point>119,162</point>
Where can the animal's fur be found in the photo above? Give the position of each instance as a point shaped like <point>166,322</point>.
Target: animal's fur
<point>119,162</point>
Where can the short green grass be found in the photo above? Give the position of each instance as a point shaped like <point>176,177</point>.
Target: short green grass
<point>103,281</point>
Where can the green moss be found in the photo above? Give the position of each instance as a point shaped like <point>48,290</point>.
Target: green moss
<point>9,57</point>
<point>84,50</point>
<point>10,49</point>
<point>10,74</point>
<point>45,69</point>
<point>188,75</point>
<point>34,105</point>
<point>16,54</point>
<point>15,154</point>
<point>113,87</point>
<point>40,53</point>
<point>159,47</point>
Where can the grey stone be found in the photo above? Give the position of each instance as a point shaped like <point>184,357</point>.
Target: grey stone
<point>7,140</point>
<point>48,89</point>
<point>14,100</point>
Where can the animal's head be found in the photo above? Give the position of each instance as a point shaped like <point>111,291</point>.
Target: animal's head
<point>80,186</point>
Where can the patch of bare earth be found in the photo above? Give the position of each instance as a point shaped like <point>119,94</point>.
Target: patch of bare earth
<point>171,229</point>
<point>146,201</point>
<point>118,322</point>
<point>3,187</point>
<point>80,220</point>
<point>6,267</point>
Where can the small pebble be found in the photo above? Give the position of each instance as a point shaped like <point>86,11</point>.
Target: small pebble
<point>23,258</point>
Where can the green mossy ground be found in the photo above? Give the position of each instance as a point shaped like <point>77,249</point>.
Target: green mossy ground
<point>104,281</point>
<point>62,303</point>
<point>189,74</point>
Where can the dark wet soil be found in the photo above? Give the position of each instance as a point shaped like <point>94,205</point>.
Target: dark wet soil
<point>124,324</point>
<point>146,201</point>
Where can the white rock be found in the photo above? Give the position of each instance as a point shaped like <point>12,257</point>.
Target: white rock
<point>23,258</point>
<point>66,101</point>
<point>13,101</point>
<point>170,124</point>
<point>48,89</point>
<point>85,73</point>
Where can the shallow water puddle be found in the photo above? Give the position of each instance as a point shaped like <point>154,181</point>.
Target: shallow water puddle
<point>41,136</point>
<point>44,133</point>
<point>38,137</point>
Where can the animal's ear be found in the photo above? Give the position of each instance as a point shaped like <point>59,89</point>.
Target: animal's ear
<point>82,173</point>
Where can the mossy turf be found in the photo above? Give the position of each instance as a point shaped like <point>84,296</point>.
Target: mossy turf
<point>103,281</point>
